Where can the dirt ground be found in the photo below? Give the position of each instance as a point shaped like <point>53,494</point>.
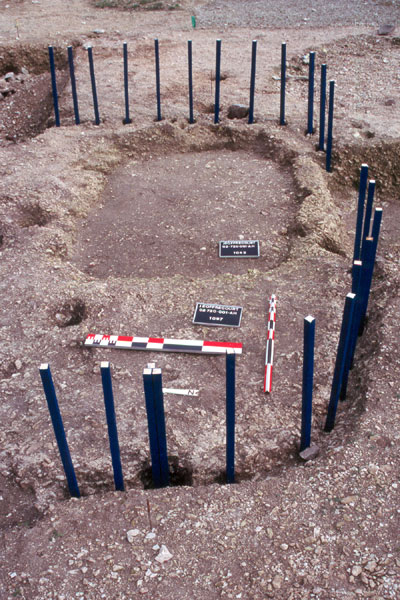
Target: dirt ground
<point>115,228</point>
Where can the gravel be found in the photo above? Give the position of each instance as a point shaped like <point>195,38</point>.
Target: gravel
<point>292,13</point>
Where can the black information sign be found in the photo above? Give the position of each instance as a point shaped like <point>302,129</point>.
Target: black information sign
<point>239,249</point>
<point>217,314</point>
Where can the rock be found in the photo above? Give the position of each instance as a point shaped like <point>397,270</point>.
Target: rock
<point>238,111</point>
<point>163,555</point>
<point>10,76</point>
<point>306,59</point>
<point>370,566</point>
<point>356,570</point>
<point>132,533</point>
<point>150,536</point>
<point>277,582</point>
<point>18,364</point>
<point>386,28</point>
<point>99,31</point>
<point>24,71</point>
<point>309,453</point>
<point>349,499</point>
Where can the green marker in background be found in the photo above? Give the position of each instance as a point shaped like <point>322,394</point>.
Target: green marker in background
<point>193,22</point>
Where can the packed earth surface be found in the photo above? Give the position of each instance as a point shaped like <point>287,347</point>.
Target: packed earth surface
<point>114,228</point>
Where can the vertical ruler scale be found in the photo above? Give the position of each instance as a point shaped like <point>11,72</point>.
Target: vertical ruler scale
<point>269,354</point>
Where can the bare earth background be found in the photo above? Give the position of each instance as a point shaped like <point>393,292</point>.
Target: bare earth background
<point>115,229</point>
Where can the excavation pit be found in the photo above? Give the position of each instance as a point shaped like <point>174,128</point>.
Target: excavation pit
<point>141,249</point>
<point>166,216</point>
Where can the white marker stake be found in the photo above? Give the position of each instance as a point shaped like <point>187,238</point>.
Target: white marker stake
<point>180,392</point>
<point>269,354</point>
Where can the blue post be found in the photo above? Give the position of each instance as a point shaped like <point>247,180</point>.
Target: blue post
<point>59,431</point>
<point>127,118</point>
<point>356,279</point>
<point>283,84</point>
<point>362,293</point>
<point>368,213</point>
<point>112,425</point>
<point>93,81</point>
<point>322,108</point>
<point>217,80</point>
<point>355,288</point>
<point>73,84</point>
<point>158,91</point>
<point>160,424</point>
<point>152,426</point>
<point>360,211</point>
<point>54,86</point>
<point>376,225</point>
<point>190,67</point>
<point>330,126</point>
<point>340,363</point>
<point>252,80</point>
<point>308,377</point>
<point>310,113</point>
<point>230,417</point>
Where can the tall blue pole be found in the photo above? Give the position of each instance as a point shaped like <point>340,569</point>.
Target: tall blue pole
<point>59,431</point>
<point>252,80</point>
<point>230,417</point>
<point>158,86</point>
<point>112,425</point>
<point>283,85</point>
<point>330,126</point>
<point>160,425</point>
<point>308,377</point>
<point>360,211</point>
<point>310,112</point>
<point>73,84</point>
<point>190,69</point>
<point>217,80</point>
<point>54,86</point>
<point>322,109</point>
<point>376,225</point>
<point>355,288</point>
<point>345,334</point>
<point>363,292</point>
<point>368,213</point>
<point>127,118</point>
<point>94,91</point>
<point>152,426</point>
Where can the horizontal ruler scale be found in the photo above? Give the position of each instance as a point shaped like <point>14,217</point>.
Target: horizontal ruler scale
<point>164,344</point>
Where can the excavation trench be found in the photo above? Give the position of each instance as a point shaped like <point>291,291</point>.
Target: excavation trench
<point>26,106</point>
<point>147,251</point>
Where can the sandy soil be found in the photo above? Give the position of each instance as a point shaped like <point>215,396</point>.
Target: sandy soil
<point>115,229</point>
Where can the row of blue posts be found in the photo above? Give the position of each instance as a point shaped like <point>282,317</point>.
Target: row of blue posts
<point>152,381</point>
<point>354,314</point>
<point>282,120</point>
